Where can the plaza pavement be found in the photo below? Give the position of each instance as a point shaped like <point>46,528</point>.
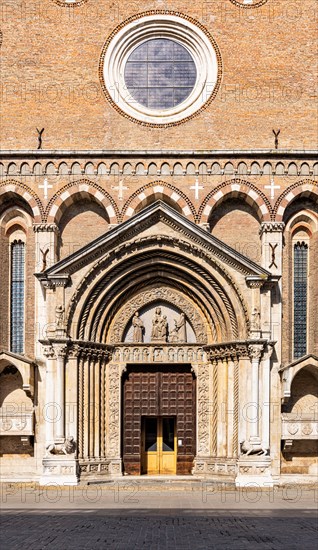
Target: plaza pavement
<point>132,514</point>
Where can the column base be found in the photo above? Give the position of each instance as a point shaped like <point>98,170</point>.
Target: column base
<point>59,470</point>
<point>254,471</point>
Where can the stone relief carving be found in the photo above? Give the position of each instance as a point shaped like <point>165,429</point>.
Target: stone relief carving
<point>203,411</point>
<point>255,351</point>
<point>138,334</point>
<point>66,448</point>
<point>114,410</point>
<point>159,331</point>
<point>147,297</point>
<point>164,353</point>
<point>247,449</point>
<point>179,332</point>
<point>256,319</point>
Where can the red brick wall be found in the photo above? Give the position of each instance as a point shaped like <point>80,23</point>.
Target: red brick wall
<point>50,57</point>
<point>82,223</point>
<point>236,224</point>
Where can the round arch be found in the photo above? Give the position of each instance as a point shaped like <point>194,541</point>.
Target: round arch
<point>110,284</point>
<point>234,189</point>
<point>28,198</point>
<point>304,188</point>
<point>70,193</point>
<point>158,190</point>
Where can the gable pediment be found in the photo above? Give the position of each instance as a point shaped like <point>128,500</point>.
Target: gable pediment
<point>157,224</point>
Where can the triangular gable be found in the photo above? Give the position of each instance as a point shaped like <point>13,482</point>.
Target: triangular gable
<point>158,211</point>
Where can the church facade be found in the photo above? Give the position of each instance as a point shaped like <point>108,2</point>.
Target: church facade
<point>159,241</point>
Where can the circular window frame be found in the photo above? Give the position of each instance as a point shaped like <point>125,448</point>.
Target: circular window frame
<point>239,4</point>
<point>65,4</point>
<point>140,106</point>
<point>141,28</point>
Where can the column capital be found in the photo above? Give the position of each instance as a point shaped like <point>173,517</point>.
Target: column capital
<point>45,228</point>
<point>255,352</point>
<point>272,227</point>
<point>48,352</point>
<point>61,350</point>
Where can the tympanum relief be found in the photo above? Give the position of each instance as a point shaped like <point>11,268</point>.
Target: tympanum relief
<point>159,323</point>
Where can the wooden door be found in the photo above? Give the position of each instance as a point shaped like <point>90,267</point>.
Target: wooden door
<point>159,392</point>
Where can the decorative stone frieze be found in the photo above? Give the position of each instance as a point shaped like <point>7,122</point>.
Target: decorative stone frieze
<point>163,353</point>
<point>17,424</point>
<point>303,426</point>
<point>254,471</point>
<point>114,388</point>
<point>233,351</point>
<point>94,468</point>
<point>218,468</point>
<point>203,384</point>
<point>60,470</point>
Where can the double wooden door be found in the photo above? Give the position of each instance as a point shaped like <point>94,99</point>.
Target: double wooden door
<point>158,393</point>
<point>159,445</point>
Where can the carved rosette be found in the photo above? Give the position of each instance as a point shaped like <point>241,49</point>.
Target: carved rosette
<point>153,295</point>
<point>203,410</point>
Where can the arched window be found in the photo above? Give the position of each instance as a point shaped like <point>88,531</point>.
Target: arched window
<point>300,282</point>
<point>17,289</point>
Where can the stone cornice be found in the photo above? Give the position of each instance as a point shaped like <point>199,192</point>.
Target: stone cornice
<point>164,153</point>
<point>54,281</point>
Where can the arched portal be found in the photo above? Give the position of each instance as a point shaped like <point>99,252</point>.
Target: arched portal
<point>158,319</point>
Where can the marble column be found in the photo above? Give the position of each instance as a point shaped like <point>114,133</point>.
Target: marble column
<point>49,409</point>
<point>60,352</point>
<point>255,352</point>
